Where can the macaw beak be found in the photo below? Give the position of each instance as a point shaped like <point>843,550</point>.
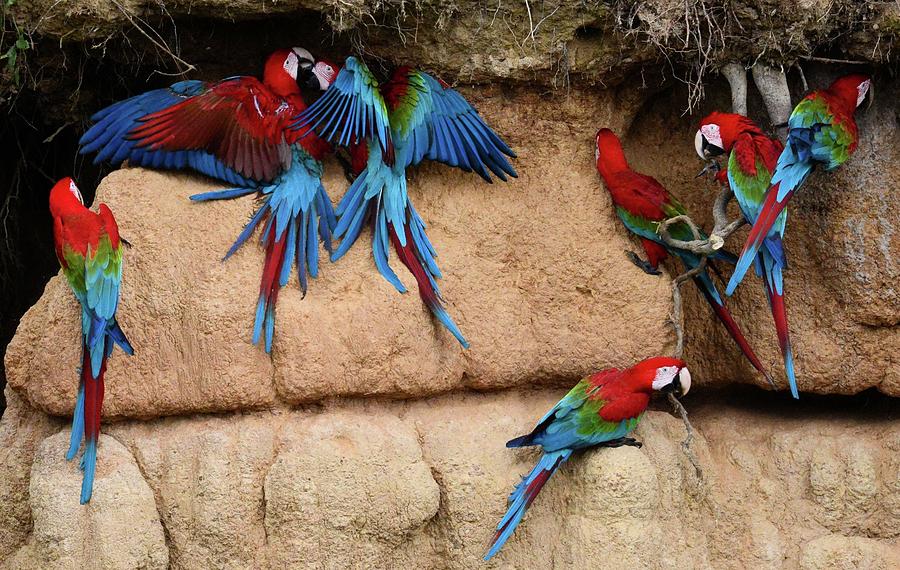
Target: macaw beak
<point>311,80</point>
<point>680,385</point>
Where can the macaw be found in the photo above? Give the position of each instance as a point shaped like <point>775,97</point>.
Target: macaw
<point>752,157</point>
<point>89,250</point>
<point>642,203</point>
<point>821,131</point>
<point>401,122</point>
<point>600,411</point>
<point>236,130</point>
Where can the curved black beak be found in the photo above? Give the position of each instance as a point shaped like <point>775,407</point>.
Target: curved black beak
<point>711,150</point>
<point>310,81</point>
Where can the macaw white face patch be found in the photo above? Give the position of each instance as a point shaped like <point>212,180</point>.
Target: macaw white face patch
<point>712,134</point>
<point>291,63</point>
<point>664,377</point>
<point>861,91</point>
<point>74,190</point>
<point>325,74</point>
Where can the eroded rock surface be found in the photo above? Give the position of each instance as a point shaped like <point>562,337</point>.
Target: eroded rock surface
<point>119,528</point>
<point>534,274</point>
<point>422,483</point>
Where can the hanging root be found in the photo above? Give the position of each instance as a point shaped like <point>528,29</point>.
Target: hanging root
<point>737,79</point>
<point>686,444</point>
<point>772,85</point>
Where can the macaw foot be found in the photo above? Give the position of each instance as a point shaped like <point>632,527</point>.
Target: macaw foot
<point>712,167</point>
<point>629,441</point>
<point>644,265</point>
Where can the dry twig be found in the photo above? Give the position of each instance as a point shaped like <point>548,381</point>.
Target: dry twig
<point>686,444</point>
<point>722,229</point>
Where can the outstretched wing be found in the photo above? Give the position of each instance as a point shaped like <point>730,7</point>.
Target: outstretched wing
<point>351,109</point>
<point>438,123</point>
<point>108,136</point>
<point>239,121</point>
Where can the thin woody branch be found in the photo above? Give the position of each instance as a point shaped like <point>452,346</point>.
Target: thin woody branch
<point>686,444</point>
<point>723,228</point>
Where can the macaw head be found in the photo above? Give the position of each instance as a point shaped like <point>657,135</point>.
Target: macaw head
<point>64,195</point>
<point>718,133</point>
<point>608,153</point>
<point>851,89</point>
<point>288,67</point>
<point>323,75</point>
<point>665,375</point>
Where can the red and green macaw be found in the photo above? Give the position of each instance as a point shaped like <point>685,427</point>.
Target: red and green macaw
<point>89,250</point>
<point>642,203</point>
<point>600,411</point>
<point>821,132</point>
<point>402,122</point>
<point>752,157</point>
<point>236,130</point>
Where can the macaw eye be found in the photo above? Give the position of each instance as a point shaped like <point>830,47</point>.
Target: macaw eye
<point>291,63</point>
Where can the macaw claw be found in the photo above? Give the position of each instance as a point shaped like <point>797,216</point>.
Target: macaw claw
<point>644,265</point>
<point>711,166</point>
<point>629,441</point>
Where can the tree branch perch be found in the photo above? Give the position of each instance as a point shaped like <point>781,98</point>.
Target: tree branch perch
<point>722,229</point>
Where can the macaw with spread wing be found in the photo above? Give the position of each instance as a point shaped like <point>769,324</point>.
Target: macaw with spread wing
<point>822,132</point>
<point>752,157</point>
<point>642,203</point>
<point>236,130</point>
<point>401,122</point>
<point>89,250</point>
<point>600,411</point>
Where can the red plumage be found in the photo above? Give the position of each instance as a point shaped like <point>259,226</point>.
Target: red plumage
<point>408,256</point>
<point>93,396</point>
<point>626,393</point>
<point>74,225</point>
<point>656,253</point>
<point>242,121</point>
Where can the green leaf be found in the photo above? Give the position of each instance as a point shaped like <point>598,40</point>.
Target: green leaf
<point>11,57</point>
<point>22,43</point>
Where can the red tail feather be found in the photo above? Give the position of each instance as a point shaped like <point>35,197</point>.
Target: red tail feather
<point>769,212</point>
<point>269,285</point>
<point>735,332</point>
<point>409,258</point>
<point>779,315</point>
<point>93,396</point>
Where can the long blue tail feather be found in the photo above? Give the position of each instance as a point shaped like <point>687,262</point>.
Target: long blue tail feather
<point>77,423</point>
<point>523,495</point>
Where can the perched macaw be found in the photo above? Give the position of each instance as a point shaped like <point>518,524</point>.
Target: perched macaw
<point>642,203</point>
<point>402,122</point>
<point>236,130</point>
<point>89,250</point>
<point>751,161</point>
<point>600,411</point>
<point>822,131</point>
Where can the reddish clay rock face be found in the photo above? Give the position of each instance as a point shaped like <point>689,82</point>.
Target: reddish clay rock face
<point>421,483</point>
<point>535,276</point>
<point>842,243</point>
